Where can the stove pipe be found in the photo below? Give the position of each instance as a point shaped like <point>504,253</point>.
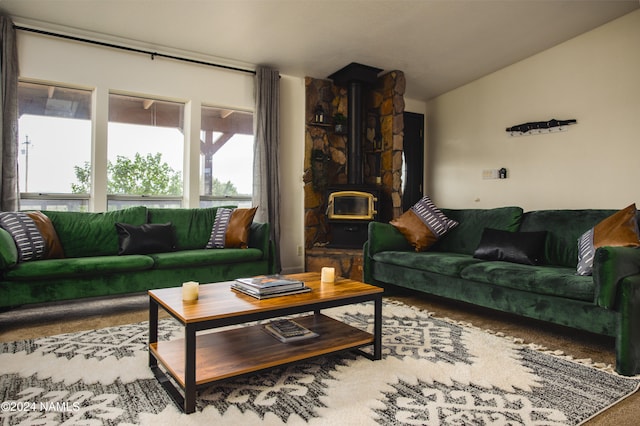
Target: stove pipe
<point>355,76</point>
<point>354,153</point>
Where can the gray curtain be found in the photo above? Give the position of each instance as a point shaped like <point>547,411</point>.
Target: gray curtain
<point>9,198</point>
<point>266,182</point>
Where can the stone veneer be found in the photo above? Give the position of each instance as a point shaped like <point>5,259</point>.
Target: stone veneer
<point>347,262</point>
<point>325,162</point>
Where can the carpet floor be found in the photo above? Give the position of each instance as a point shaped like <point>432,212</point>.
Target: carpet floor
<point>29,323</point>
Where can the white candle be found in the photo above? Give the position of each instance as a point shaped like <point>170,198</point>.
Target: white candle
<point>190,290</point>
<point>328,275</point>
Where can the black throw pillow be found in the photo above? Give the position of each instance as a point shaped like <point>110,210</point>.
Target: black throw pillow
<point>516,247</point>
<point>145,239</point>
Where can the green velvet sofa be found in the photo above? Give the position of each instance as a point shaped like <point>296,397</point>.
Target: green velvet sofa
<point>606,303</point>
<point>92,267</point>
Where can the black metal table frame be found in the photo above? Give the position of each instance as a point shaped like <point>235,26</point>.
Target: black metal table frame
<point>187,403</point>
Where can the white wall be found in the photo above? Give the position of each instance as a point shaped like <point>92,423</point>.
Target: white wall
<point>102,70</point>
<point>594,78</point>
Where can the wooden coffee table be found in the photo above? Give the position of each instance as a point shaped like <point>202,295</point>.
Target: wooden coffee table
<point>199,360</point>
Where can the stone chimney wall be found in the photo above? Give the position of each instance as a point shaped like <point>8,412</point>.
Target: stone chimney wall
<point>325,159</point>
<point>386,100</point>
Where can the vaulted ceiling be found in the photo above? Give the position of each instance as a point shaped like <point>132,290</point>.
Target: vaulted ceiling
<point>440,45</point>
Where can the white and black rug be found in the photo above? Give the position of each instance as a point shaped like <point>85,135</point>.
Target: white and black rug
<point>433,372</point>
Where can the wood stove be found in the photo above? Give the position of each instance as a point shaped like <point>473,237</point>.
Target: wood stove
<point>351,207</point>
<point>349,211</point>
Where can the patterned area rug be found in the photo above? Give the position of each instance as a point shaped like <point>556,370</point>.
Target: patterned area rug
<point>433,372</point>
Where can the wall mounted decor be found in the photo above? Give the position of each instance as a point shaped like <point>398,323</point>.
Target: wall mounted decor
<point>539,127</point>
<point>318,115</point>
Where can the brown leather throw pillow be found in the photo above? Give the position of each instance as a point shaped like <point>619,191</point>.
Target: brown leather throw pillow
<point>238,229</point>
<point>415,231</point>
<point>52,242</point>
<point>423,224</point>
<point>620,229</point>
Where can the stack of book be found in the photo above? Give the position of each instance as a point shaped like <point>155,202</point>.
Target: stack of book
<point>266,286</point>
<point>288,331</point>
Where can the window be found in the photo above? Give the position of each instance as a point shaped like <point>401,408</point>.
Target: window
<point>145,152</point>
<point>226,152</point>
<point>54,135</point>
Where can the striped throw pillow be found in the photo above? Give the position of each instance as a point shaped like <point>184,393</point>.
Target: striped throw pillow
<point>219,229</point>
<point>432,217</point>
<point>25,233</point>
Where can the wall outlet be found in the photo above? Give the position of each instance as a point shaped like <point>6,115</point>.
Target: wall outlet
<point>490,174</point>
<point>299,250</point>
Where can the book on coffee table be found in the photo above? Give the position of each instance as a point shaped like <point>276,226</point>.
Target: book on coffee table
<point>287,330</point>
<point>266,294</point>
<point>270,281</point>
<point>264,286</point>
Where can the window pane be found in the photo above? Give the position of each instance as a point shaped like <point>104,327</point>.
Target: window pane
<point>54,133</point>
<point>68,202</point>
<point>244,203</point>
<point>145,146</point>
<point>226,168</point>
<point>122,202</point>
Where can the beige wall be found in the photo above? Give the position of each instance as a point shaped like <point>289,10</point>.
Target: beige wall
<point>594,78</point>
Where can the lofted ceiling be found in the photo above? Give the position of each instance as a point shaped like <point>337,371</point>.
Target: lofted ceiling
<point>438,44</point>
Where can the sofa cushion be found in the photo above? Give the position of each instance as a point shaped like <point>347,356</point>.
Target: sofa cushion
<point>231,228</point>
<point>563,227</point>
<point>146,238</point>
<point>449,264</point>
<point>8,250</point>
<point>93,234</point>
<point>192,226</point>
<point>550,280</point>
<point>189,258</point>
<point>618,230</point>
<point>423,224</point>
<point>259,237</point>
<point>79,267</point>
<point>25,234</point>
<point>465,237</point>
<point>517,247</point>
<point>384,237</point>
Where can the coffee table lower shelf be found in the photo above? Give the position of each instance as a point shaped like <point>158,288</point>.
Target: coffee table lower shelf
<point>224,354</point>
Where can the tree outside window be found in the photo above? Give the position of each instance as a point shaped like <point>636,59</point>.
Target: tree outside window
<point>145,150</point>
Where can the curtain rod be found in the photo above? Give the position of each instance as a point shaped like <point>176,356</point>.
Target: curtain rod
<point>132,49</point>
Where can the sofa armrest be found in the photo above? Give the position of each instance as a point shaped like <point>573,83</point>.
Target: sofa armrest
<point>385,237</point>
<point>259,237</point>
<point>381,237</point>
<point>628,338</point>
<point>8,250</point>
<point>610,266</point>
